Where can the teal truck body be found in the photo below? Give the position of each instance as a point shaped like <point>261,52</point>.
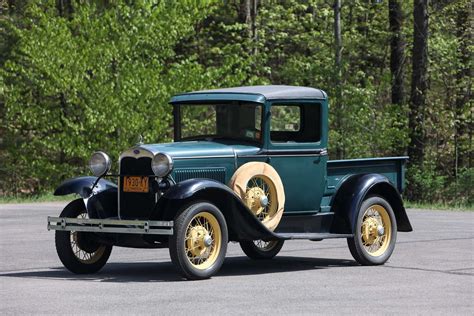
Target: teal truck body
<point>248,164</point>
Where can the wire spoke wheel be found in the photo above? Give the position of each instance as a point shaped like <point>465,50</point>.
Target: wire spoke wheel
<point>376,230</point>
<point>265,245</point>
<point>261,249</point>
<point>203,240</point>
<point>85,253</point>
<point>260,197</point>
<point>199,242</point>
<point>80,252</point>
<point>260,188</point>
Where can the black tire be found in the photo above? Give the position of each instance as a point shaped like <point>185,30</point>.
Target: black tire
<point>186,260</point>
<point>363,254</point>
<point>261,250</point>
<point>91,256</point>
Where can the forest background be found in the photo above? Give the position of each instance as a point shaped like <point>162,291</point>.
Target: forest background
<point>78,76</point>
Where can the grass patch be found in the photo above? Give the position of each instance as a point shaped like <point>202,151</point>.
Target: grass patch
<point>47,197</point>
<point>439,206</point>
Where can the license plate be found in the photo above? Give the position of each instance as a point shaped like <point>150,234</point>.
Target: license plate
<point>135,184</point>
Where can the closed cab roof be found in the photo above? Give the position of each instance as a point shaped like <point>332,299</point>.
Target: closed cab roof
<point>254,93</point>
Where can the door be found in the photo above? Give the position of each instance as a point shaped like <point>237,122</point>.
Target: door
<point>295,151</point>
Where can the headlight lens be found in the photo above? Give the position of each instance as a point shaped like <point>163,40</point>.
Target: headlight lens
<point>162,164</point>
<point>100,163</point>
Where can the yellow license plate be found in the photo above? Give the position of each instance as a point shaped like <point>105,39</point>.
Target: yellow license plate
<point>135,184</point>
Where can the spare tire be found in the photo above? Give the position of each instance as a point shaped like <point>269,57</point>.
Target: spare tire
<point>260,188</point>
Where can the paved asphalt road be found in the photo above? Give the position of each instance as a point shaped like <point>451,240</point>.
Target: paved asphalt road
<point>430,272</point>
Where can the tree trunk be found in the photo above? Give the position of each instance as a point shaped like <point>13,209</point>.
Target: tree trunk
<point>419,86</point>
<point>463,88</point>
<point>253,16</point>
<point>338,73</point>
<point>248,15</point>
<point>397,51</point>
<point>245,15</point>
<point>65,8</point>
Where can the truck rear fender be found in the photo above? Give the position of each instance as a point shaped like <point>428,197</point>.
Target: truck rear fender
<point>241,222</point>
<point>354,190</point>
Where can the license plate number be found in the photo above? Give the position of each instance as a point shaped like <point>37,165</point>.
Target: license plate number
<point>135,184</point>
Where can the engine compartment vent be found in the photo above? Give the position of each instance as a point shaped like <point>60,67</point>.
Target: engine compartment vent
<point>217,174</point>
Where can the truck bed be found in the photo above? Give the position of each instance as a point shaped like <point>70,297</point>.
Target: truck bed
<point>338,170</point>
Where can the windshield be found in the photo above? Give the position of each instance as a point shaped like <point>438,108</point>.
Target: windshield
<point>223,120</point>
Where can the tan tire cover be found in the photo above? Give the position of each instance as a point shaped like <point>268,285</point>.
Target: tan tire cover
<point>238,183</point>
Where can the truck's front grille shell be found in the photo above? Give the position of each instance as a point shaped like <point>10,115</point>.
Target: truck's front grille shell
<point>217,174</point>
<point>135,205</point>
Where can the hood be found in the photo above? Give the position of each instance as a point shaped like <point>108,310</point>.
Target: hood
<point>189,149</point>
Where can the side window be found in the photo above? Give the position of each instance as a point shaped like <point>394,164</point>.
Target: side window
<point>295,123</point>
<point>285,118</point>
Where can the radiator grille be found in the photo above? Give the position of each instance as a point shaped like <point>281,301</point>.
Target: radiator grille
<point>217,174</point>
<point>135,205</point>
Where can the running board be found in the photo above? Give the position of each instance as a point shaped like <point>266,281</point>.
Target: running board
<point>111,226</point>
<point>312,236</point>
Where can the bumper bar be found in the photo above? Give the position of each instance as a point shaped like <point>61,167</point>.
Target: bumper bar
<point>111,226</point>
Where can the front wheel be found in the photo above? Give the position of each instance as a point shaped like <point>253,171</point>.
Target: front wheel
<point>376,232</point>
<point>199,243</point>
<point>78,251</point>
<point>260,249</point>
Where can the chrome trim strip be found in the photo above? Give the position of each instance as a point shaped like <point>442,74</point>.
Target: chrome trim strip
<point>143,153</point>
<point>111,226</point>
<point>289,153</point>
<point>203,157</point>
<point>283,155</point>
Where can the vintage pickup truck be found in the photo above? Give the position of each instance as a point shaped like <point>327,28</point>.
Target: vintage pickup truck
<point>248,164</point>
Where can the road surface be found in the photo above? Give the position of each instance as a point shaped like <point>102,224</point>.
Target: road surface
<point>430,272</point>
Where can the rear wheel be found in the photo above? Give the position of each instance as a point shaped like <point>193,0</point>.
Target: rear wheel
<point>260,249</point>
<point>376,232</point>
<point>199,243</point>
<point>79,251</point>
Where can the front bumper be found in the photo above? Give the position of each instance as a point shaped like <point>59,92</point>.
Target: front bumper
<point>111,226</point>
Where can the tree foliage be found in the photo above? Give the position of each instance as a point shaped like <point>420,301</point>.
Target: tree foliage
<point>80,76</point>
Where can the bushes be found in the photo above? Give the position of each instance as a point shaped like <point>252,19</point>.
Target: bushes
<point>80,76</point>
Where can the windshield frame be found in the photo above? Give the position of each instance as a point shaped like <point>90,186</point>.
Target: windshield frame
<point>177,122</point>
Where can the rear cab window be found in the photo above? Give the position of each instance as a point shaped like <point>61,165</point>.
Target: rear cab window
<point>295,123</point>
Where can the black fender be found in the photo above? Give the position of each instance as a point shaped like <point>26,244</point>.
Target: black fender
<point>241,222</point>
<point>83,186</point>
<point>354,190</point>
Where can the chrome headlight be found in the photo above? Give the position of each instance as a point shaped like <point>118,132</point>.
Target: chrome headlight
<point>100,163</point>
<point>162,164</point>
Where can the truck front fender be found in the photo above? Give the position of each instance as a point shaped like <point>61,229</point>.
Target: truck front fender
<point>354,190</point>
<point>241,222</point>
<point>83,186</point>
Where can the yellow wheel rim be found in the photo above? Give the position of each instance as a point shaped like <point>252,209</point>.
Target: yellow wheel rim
<point>260,197</point>
<point>203,240</point>
<point>82,255</point>
<point>376,230</point>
